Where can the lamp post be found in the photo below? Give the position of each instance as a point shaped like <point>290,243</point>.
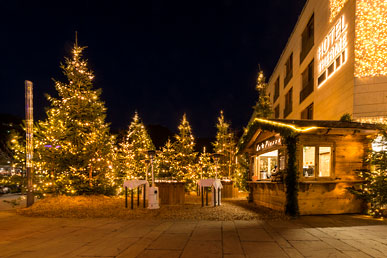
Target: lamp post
<point>151,154</point>
<point>153,195</point>
<point>29,141</point>
<point>216,157</point>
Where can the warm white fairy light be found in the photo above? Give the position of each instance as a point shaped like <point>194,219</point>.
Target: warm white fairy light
<point>371,38</point>
<point>335,7</point>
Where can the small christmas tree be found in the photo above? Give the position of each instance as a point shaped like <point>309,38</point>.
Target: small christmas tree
<point>166,162</point>
<point>262,108</point>
<point>185,156</point>
<point>74,147</point>
<point>374,189</point>
<point>225,146</point>
<point>133,151</point>
<point>206,165</point>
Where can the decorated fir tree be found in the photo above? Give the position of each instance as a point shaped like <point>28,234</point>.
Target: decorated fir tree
<point>225,146</point>
<point>74,148</point>
<point>206,165</point>
<point>133,151</point>
<point>166,166</point>
<point>262,108</point>
<point>374,188</point>
<point>185,156</point>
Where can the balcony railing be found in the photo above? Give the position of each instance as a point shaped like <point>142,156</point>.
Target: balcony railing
<point>287,78</point>
<point>306,47</point>
<point>306,91</point>
<point>288,110</point>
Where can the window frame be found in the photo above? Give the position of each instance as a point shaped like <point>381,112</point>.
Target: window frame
<point>288,70</point>
<point>307,86</point>
<point>316,177</point>
<point>288,109</point>
<point>306,111</point>
<point>277,111</point>
<point>307,39</point>
<point>276,89</point>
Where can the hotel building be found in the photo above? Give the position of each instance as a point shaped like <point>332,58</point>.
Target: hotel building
<point>335,62</point>
<point>303,159</point>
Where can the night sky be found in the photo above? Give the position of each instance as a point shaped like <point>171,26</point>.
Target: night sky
<point>161,58</point>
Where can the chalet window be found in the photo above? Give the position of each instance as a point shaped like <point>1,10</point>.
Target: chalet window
<point>307,113</point>
<point>288,70</point>
<point>307,39</point>
<point>276,111</point>
<point>276,89</point>
<point>316,159</point>
<point>265,164</point>
<point>309,161</point>
<point>288,103</point>
<point>307,81</point>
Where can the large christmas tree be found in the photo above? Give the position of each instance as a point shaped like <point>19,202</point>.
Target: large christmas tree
<point>185,155</point>
<point>133,151</point>
<point>262,108</point>
<point>225,146</point>
<point>74,148</point>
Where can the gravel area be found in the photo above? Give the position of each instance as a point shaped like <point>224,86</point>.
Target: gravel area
<point>114,207</point>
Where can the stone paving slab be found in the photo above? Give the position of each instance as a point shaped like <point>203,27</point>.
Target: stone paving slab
<point>314,236</point>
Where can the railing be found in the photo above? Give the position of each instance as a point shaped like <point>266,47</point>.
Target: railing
<point>306,47</point>
<point>306,91</point>
<point>287,78</point>
<point>288,110</point>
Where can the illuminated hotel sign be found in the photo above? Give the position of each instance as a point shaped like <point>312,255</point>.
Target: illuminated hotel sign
<point>269,143</point>
<point>332,52</point>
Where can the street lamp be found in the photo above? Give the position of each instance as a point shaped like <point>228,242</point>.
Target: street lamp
<point>153,195</point>
<point>216,157</point>
<point>151,154</point>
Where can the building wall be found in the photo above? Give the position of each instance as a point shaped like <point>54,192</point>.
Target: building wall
<point>343,92</point>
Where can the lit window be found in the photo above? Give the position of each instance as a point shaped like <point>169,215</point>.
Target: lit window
<point>317,158</point>
<point>309,161</point>
<point>324,161</point>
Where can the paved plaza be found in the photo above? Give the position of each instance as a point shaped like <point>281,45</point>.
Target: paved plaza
<point>312,236</point>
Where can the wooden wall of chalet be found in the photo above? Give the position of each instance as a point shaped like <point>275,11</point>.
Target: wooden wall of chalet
<point>269,194</point>
<point>322,196</point>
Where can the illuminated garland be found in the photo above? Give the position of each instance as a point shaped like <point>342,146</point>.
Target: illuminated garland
<point>371,38</point>
<point>335,8</point>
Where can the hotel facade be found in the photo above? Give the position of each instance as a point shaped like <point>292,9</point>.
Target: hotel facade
<point>335,62</point>
<point>303,159</point>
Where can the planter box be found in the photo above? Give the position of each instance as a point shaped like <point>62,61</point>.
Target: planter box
<point>171,193</point>
<point>229,191</point>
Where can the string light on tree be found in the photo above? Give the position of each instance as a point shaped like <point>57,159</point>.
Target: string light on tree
<point>133,150</point>
<point>371,38</point>
<point>185,156</point>
<point>74,150</point>
<point>335,7</point>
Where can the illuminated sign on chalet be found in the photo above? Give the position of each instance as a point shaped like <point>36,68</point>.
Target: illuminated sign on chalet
<point>332,52</point>
<point>269,143</point>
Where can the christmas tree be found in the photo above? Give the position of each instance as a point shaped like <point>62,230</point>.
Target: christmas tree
<point>374,188</point>
<point>74,148</point>
<point>206,166</point>
<point>133,151</point>
<point>185,156</point>
<point>166,162</point>
<point>262,108</point>
<point>225,146</point>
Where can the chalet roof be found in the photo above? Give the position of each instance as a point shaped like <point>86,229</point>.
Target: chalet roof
<point>328,124</point>
<point>298,126</point>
